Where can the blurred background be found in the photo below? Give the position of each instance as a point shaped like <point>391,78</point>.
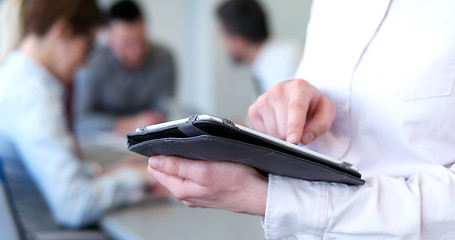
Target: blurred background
<point>207,80</point>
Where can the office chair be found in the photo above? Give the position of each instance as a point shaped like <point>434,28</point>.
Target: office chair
<point>8,226</point>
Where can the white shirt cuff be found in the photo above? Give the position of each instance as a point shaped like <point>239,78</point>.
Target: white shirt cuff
<point>296,209</point>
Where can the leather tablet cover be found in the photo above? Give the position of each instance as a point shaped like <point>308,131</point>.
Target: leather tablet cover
<point>213,141</point>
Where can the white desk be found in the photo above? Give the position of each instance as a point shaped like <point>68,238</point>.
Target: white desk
<point>169,220</point>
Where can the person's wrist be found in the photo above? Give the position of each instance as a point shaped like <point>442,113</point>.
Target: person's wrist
<point>256,199</point>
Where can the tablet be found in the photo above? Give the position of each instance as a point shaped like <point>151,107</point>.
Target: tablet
<point>211,138</point>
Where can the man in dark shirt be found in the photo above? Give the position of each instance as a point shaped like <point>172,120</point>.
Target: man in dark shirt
<point>127,83</point>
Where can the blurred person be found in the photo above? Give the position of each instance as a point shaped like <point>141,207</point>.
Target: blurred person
<point>57,37</point>
<point>245,34</point>
<point>127,83</point>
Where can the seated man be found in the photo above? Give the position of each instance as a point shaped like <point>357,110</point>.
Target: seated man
<point>245,35</point>
<point>126,84</point>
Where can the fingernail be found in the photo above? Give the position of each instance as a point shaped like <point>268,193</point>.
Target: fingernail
<point>308,137</point>
<point>155,162</point>
<point>293,138</point>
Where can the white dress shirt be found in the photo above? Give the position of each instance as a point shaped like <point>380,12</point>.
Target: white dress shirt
<point>33,121</point>
<point>389,67</point>
<point>277,60</point>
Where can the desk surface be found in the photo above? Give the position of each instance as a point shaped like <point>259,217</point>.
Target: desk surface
<point>171,221</point>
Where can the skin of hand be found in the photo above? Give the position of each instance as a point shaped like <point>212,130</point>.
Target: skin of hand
<point>127,124</point>
<point>293,110</point>
<point>222,185</point>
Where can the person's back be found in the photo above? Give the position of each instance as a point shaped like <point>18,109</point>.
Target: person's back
<point>127,83</point>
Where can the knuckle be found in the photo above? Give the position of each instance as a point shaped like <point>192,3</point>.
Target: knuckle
<point>252,111</point>
<point>262,100</point>
<point>276,93</point>
<point>173,167</point>
<point>299,84</point>
<point>300,89</point>
<point>295,103</point>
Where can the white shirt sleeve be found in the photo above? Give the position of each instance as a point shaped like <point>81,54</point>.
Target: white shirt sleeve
<point>420,207</point>
<point>40,134</point>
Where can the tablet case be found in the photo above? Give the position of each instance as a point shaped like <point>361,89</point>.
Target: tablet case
<point>214,141</point>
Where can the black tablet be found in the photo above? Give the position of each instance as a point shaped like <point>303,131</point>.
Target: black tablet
<point>210,138</point>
